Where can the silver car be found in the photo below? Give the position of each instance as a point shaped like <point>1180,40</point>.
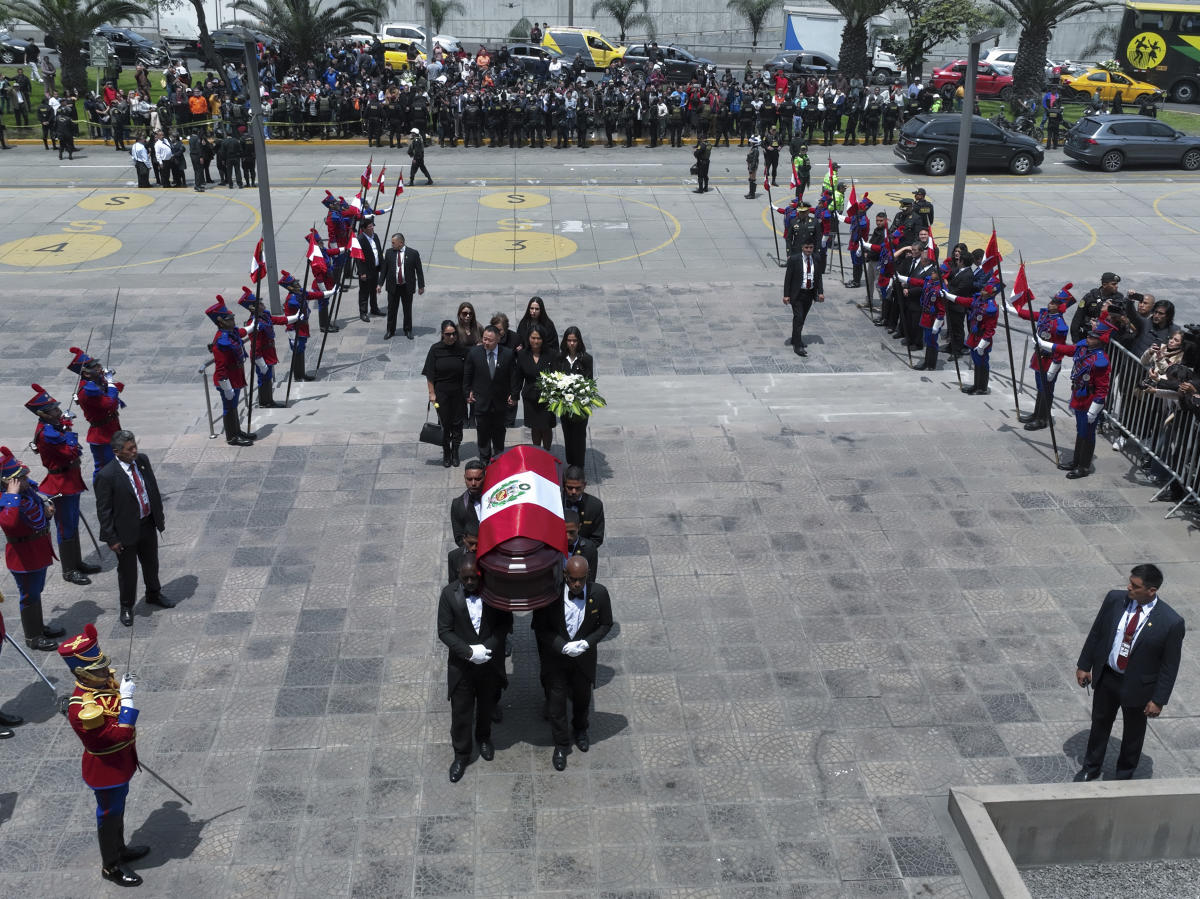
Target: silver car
<point>1114,141</point>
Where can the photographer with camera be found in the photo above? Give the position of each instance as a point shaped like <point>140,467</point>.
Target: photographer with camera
<point>1092,304</point>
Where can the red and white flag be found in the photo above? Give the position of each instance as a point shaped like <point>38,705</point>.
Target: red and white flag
<point>365,178</point>
<point>766,182</point>
<point>1021,293</point>
<point>522,498</point>
<point>851,204</point>
<point>931,249</point>
<point>795,182</point>
<point>379,183</point>
<point>258,268</point>
<point>356,250</point>
<point>992,257</point>
<point>399,184</point>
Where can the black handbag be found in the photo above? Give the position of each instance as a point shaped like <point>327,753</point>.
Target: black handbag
<point>431,431</point>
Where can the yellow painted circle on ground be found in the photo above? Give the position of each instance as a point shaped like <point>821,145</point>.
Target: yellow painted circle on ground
<point>54,250</point>
<point>519,247</point>
<point>516,199</point>
<point>115,202</point>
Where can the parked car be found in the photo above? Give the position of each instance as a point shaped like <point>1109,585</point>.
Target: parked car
<point>587,43</point>
<point>677,63</point>
<point>1114,141</point>
<point>989,81</point>
<point>230,42</point>
<point>1086,83</point>
<point>930,140</point>
<point>131,47</point>
<point>804,62</point>
<point>16,49</point>
<point>533,58</point>
<point>397,53</point>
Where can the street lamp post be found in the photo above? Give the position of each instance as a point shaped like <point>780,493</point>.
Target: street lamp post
<point>964,131</point>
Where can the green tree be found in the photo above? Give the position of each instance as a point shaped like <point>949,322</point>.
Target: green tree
<point>72,22</point>
<point>853,59</point>
<point>622,11</point>
<point>1037,19</point>
<point>931,22</point>
<point>520,31</point>
<point>439,10</point>
<point>304,28</point>
<point>755,13</point>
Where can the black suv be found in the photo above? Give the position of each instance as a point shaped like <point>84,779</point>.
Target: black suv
<point>130,47</point>
<point>931,140</point>
<point>229,43</point>
<point>678,64</point>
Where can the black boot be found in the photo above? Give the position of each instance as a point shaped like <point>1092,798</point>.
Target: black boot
<point>233,434</point>
<point>298,372</point>
<point>930,361</point>
<point>112,845</point>
<point>1041,414</point>
<point>35,628</point>
<point>974,388</point>
<point>1069,464</point>
<point>446,463</point>
<point>266,396</point>
<point>982,376</point>
<point>454,452</point>
<point>1083,460</point>
<point>68,552</point>
<point>1034,415</point>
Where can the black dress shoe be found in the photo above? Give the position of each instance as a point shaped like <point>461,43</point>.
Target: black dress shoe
<point>582,741</point>
<point>50,630</point>
<point>457,768</point>
<point>127,616</point>
<point>239,440</point>
<point>487,751</point>
<point>121,877</point>
<point>365,318</point>
<point>6,734</point>
<point>41,644</point>
<point>388,335</point>
<point>157,599</point>
<point>89,569</point>
<point>408,334</point>
<point>1035,425</point>
<point>967,388</point>
<point>11,720</point>
<point>560,759</point>
<point>1026,417</point>
<point>801,352</point>
<point>377,312</point>
<point>1085,776</point>
<point>445,461</point>
<point>1081,472</point>
<point>76,577</point>
<point>133,853</point>
<point>331,329</point>
<point>1066,466</point>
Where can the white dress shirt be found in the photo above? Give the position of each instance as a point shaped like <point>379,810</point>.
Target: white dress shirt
<point>574,611</point>
<point>1114,651</point>
<point>475,610</point>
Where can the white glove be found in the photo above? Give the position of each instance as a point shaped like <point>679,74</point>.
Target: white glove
<point>1094,412</point>
<point>126,690</point>
<point>937,326</point>
<point>225,388</point>
<point>261,365</point>
<point>1046,345</point>
<point>1053,370</point>
<point>480,653</point>
<point>292,319</point>
<point>329,293</point>
<point>982,346</point>
<point>573,648</point>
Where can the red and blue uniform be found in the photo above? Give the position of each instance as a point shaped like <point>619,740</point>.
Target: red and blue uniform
<point>982,313</point>
<point>100,402</point>
<point>60,452</point>
<point>1052,327</point>
<point>229,356</point>
<point>1090,378</point>
<point>26,527</point>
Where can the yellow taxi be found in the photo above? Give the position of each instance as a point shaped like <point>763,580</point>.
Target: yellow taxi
<point>587,43</point>
<point>397,52</point>
<point>1109,84</point>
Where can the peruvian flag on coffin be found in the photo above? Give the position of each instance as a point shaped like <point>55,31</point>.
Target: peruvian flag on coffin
<point>521,498</point>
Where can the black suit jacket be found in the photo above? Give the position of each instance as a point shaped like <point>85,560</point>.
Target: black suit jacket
<point>462,513</point>
<point>117,504</point>
<point>414,275</point>
<point>793,278</point>
<point>588,549</point>
<point>581,366</point>
<point>491,392</point>
<point>368,266</point>
<point>550,628</point>
<point>1153,661</point>
<point>455,630</point>
<point>591,517</point>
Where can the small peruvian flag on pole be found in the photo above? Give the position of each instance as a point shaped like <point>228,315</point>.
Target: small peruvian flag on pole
<point>258,268</point>
<point>766,182</point>
<point>399,185</point>
<point>992,257</point>
<point>356,250</point>
<point>379,183</point>
<point>365,178</point>
<point>1021,293</point>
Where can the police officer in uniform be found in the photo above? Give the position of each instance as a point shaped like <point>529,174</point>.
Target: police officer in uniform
<point>922,209</point>
<point>752,165</point>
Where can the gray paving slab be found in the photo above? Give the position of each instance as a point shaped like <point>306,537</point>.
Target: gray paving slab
<point>841,587</point>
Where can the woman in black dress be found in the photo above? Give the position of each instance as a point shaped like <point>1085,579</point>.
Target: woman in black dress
<point>536,357</point>
<point>469,332</point>
<point>535,313</point>
<point>573,359</point>
<point>443,373</point>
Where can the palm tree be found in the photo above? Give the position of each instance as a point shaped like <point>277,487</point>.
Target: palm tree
<point>622,11</point>
<point>754,12</point>
<point>305,27</point>
<point>72,22</point>
<point>440,9</point>
<point>1037,19</point>
<point>852,58</point>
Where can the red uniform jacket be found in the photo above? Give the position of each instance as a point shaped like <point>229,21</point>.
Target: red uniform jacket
<point>110,750</point>
<point>263,339</point>
<point>59,448</point>
<point>101,406</point>
<point>981,317</point>
<point>228,354</point>
<point>27,527</point>
<point>297,304</point>
<point>1049,327</point>
<point>1090,374</point>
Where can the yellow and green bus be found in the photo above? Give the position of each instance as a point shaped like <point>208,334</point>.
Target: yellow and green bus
<point>1160,43</point>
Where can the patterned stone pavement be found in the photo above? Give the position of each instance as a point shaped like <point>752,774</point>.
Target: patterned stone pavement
<point>840,589</point>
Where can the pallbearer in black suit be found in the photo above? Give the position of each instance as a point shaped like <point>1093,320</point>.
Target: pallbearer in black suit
<point>573,358</point>
<point>1131,657</point>
<point>567,633</point>
<point>487,382</point>
<point>591,510</point>
<point>474,633</point>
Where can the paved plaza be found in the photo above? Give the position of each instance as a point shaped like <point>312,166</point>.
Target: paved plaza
<point>840,587</point>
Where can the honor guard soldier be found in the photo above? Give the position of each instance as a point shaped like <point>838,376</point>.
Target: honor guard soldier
<point>25,518</point>
<point>1045,366</point>
<point>58,446</point>
<point>933,315</point>
<point>103,716</point>
<point>340,221</point>
<point>229,370</point>
<point>323,265</point>
<point>860,228</point>
<point>1090,376</point>
<point>981,328</point>
<point>261,326</point>
<point>100,402</point>
<point>297,310</point>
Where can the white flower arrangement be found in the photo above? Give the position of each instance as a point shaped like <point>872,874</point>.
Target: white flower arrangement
<point>566,394</point>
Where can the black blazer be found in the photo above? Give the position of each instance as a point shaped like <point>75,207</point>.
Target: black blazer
<point>455,630</point>
<point>550,628</point>
<point>1154,659</point>
<point>462,513</point>
<point>117,505</point>
<point>414,275</point>
<point>588,549</point>
<point>581,366</point>
<point>368,266</point>
<point>491,392</point>
<point>591,517</point>
<point>793,279</point>
<point>526,373</point>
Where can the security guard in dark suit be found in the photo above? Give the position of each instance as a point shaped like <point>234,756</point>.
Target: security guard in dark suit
<point>922,209</point>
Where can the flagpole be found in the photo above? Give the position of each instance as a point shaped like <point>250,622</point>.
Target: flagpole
<point>1012,365</point>
<point>774,232</point>
<point>253,370</point>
